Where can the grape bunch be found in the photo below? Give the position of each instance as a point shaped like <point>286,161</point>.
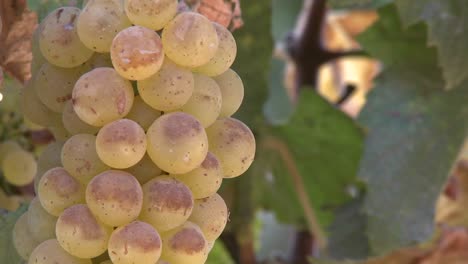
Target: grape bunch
<point>139,97</point>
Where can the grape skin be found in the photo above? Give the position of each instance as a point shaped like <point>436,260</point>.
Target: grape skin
<point>177,142</point>
<point>59,41</point>
<point>167,203</point>
<point>19,167</point>
<point>233,144</point>
<point>34,110</point>
<point>41,224</point>
<point>144,170</point>
<point>232,91</point>
<point>137,53</point>
<point>80,233</point>
<point>115,197</point>
<point>190,40</point>
<point>225,55</point>
<point>169,89</point>
<point>211,215</point>
<point>22,240</point>
<point>151,14</point>
<point>142,113</point>
<point>102,96</point>
<point>99,22</point>
<point>121,144</point>
<point>8,147</point>
<point>205,180</point>
<point>48,159</point>
<point>80,159</point>
<point>73,124</point>
<point>137,242</point>
<point>50,252</point>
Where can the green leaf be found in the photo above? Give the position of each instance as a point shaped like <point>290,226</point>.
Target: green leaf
<point>325,145</point>
<point>326,261</point>
<point>357,4</point>
<point>415,130</point>
<point>278,108</point>
<point>44,7</point>
<point>7,250</point>
<point>448,30</point>
<point>284,17</point>
<point>219,255</point>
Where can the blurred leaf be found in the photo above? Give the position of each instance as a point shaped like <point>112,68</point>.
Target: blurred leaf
<point>358,4</point>
<point>278,108</point>
<point>325,146</point>
<point>447,23</point>
<point>219,255</point>
<point>415,131</point>
<point>326,261</point>
<point>7,250</point>
<point>284,17</point>
<point>44,7</point>
<point>347,239</point>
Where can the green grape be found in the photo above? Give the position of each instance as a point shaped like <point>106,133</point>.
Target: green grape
<point>205,180</point>
<point>225,55</point>
<point>19,167</point>
<point>73,124</point>
<point>205,103</point>
<point>99,60</point>
<point>232,142</point>
<point>38,59</point>
<point>59,132</point>
<point>41,224</point>
<point>34,110</point>
<point>8,147</point>
<point>121,144</point>
<point>115,197</point>
<point>167,203</point>
<point>99,22</point>
<point>22,240</point>
<point>149,13</point>
<point>54,85</point>
<point>184,244</point>
<point>190,40</point>
<point>48,159</point>
<point>58,190</point>
<point>59,41</point>
<point>169,89</point>
<point>50,252</point>
<point>80,233</point>
<point>144,170</point>
<point>137,53</point>
<point>177,142</point>
<point>137,242</point>
<point>232,91</point>
<point>142,113</point>
<point>211,215</point>
<point>80,159</point>
<point>102,96</point>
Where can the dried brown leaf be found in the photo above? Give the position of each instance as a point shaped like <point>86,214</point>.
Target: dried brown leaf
<point>224,12</point>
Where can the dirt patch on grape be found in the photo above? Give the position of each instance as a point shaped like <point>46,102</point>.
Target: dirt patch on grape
<point>170,194</point>
<point>82,220</point>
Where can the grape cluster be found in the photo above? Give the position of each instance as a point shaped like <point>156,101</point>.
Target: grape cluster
<point>139,97</point>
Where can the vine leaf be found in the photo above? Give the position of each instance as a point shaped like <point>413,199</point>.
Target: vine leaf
<point>7,250</point>
<point>415,130</point>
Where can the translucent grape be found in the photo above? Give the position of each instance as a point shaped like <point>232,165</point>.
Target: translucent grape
<point>22,240</point>
<point>137,53</point>
<point>41,224</point>
<point>54,85</point>
<point>38,59</point>
<point>167,203</point>
<point>144,170</point>
<point>225,55</point>
<point>211,215</point>
<point>99,22</point>
<point>48,159</point>
<point>80,159</point>
<point>59,132</point>
<point>142,113</point>
<point>184,244</point>
<point>59,41</point>
<point>232,142</point>
<point>232,91</point>
<point>114,197</point>
<point>137,242</point>
<point>98,60</point>
<point>102,96</point>
<point>190,40</point>
<point>121,144</point>
<point>19,167</point>
<point>50,252</point>
<point>169,89</point>
<point>80,233</point>
<point>34,110</point>
<point>205,180</point>
<point>205,103</point>
<point>73,124</point>
<point>58,190</point>
<point>149,13</point>
<point>8,147</point>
